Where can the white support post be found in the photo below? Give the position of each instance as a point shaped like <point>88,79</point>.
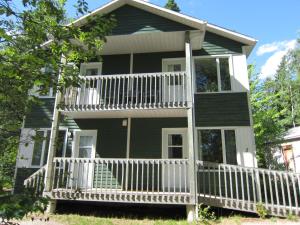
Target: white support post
<point>52,144</point>
<point>190,116</point>
<point>191,212</point>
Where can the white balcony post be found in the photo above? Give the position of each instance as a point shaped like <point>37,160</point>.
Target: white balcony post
<point>53,137</point>
<point>190,117</point>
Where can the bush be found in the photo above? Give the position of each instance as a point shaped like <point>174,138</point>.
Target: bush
<point>205,214</point>
<point>261,210</point>
<point>19,205</point>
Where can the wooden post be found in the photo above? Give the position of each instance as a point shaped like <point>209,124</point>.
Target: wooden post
<point>52,142</point>
<point>190,135</point>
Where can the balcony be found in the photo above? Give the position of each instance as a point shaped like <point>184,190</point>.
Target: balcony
<point>127,92</point>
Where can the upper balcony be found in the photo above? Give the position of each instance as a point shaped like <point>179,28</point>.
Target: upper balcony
<point>127,92</point>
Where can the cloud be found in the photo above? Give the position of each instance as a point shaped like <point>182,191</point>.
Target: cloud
<point>278,50</point>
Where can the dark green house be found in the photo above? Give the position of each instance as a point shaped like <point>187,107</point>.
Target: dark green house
<point>163,118</point>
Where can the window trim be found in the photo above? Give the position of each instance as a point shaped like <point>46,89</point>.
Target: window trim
<point>89,65</point>
<point>199,155</point>
<point>217,57</point>
<point>45,130</point>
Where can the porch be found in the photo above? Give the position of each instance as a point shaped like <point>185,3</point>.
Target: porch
<point>156,181</point>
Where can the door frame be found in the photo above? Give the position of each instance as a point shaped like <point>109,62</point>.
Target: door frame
<point>78,133</point>
<point>165,131</point>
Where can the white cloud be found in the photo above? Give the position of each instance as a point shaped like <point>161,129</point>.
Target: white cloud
<point>278,50</point>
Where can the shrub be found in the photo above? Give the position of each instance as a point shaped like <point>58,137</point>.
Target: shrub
<point>19,205</point>
<point>205,214</point>
<point>261,210</point>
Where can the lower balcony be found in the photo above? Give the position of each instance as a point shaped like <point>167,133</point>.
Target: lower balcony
<point>156,91</point>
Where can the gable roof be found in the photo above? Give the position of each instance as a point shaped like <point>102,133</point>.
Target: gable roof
<point>172,15</point>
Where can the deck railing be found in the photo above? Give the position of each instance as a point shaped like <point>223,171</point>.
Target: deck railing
<point>243,188</point>
<point>122,180</point>
<point>36,181</point>
<point>128,91</point>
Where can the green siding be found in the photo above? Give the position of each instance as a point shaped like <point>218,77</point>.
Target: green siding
<point>111,136</point>
<point>222,109</point>
<point>41,114</point>
<point>22,174</point>
<point>152,62</point>
<point>215,45</point>
<point>146,135</point>
<point>116,64</point>
<point>133,20</point>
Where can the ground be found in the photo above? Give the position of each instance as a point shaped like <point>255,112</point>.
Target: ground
<point>72,213</point>
<point>72,219</point>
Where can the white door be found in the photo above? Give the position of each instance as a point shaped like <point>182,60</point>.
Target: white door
<point>173,91</point>
<point>174,141</point>
<point>89,95</point>
<point>85,149</point>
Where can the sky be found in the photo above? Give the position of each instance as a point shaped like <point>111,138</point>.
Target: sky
<point>274,23</point>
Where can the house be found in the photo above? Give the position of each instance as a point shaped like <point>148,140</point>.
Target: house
<point>290,149</point>
<point>163,118</point>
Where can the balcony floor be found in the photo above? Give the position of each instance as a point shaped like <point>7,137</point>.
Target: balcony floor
<point>124,113</point>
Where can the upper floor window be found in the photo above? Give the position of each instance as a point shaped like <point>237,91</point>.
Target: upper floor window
<point>212,74</point>
<point>217,145</point>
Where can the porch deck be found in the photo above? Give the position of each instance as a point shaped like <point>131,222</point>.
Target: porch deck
<point>160,181</point>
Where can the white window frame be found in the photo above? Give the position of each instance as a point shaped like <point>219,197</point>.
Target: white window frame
<point>223,141</point>
<point>166,61</point>
<point>45,130</point>
<point>75,144</point>
<point>217,57</point>
<point>90,65</point>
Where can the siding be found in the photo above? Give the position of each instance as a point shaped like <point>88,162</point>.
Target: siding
<point>116,64</point>
<point>41,114</point>
<point>133,20</point>
<point>215,45</point>
<point>152,62</point>
<point>111,136</point>
<point>222,109</point>
<point>146,135</point>
<point>22,174</point>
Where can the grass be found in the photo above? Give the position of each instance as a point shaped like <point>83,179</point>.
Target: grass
<point>90,220</point>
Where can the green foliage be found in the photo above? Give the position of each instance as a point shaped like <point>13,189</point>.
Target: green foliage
<point>20,205</point>
<point>261,210</point>
<point>33,38</point>
<point>275,106</point>
<point>171,4</point>
<point>292,217</point>
<point>205,214</point>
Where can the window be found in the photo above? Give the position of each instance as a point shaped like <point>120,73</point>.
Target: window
<point>212,74</point>
<point>85,143</point>
<point>41,146</point>
<point>217,145</point>
<point>175,146</point>
<point>91,69</point>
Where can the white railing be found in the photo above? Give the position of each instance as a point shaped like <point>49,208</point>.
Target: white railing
<point>245,188</point>
<point>122,180</point>
<point>129,91</point>
<point>36,181</point>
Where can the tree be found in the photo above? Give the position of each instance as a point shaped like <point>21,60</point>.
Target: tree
<point>34,37</point>
<point>171,4</point>
<point>268,131</point>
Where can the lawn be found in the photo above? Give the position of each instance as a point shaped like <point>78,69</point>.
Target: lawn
<point>73,219</point>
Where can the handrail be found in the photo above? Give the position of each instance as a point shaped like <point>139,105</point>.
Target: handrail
<point>244,188</point>
<point>127,91</point>
<point>36,180</point>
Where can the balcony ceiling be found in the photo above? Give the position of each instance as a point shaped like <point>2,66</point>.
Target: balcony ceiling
<point>151,42</point>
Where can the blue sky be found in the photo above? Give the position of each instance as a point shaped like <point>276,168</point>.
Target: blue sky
<point>274,23</point>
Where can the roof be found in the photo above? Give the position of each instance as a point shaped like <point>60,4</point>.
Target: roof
<point>172,15</point>
<point>292,133</point>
